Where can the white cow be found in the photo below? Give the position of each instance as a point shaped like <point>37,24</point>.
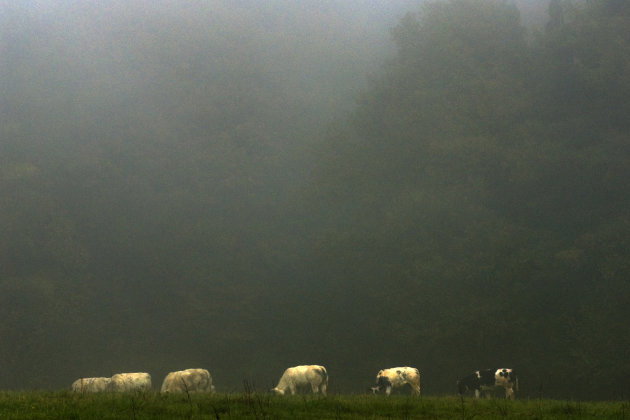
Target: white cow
<point>396,377</point>
<point>90,384</point>
<point>189,380</point>
<point>486,380</point>
<point>127,382</point>
<point>296,377</point>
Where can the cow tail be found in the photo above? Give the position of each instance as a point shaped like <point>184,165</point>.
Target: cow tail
<point>516,383</point>
<point>324,374</point>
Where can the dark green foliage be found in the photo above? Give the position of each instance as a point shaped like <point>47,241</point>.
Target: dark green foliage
<point>174,195</point>
<point>472,182</point>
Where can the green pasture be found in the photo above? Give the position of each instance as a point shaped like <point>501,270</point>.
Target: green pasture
<point>67,405</point>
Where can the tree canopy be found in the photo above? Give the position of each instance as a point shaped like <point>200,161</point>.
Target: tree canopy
<point>482,181</point>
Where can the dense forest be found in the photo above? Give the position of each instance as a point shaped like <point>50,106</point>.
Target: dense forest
<point>245,187</point>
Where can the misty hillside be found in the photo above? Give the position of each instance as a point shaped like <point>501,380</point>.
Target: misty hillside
<point>246,186</point>
<point>149,153</point>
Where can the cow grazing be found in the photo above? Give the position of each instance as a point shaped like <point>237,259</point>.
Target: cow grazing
<point>482,381</point>
<point>90,384</point>
<point>388,379</point>
<point>128,382</point>
<point>189,380</point>
<point>300,377</point>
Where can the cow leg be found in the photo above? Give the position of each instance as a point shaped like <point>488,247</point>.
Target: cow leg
<point>323,387</point>
<point>509,393</point>
<point>416,390</point>
<point>388,390</point>
<point>477,393</point>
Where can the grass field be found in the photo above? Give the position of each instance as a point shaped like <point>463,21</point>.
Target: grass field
<point>66,405</point>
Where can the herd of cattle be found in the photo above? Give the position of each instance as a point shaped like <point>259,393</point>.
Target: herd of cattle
<point>297,378</point>
<point>189,380</point>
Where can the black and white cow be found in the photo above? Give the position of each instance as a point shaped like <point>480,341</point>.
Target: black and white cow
<point>388,379</point>
<point>482,381</point>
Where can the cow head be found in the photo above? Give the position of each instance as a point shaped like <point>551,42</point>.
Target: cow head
<point>382,382</point>
<point>508,375</point>
<point>277,391</point>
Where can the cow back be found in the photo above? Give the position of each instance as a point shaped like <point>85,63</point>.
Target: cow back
<point>128,382</point>
<point>189,380</point>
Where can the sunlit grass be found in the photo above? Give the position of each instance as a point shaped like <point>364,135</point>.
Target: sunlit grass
<point>251,405</point>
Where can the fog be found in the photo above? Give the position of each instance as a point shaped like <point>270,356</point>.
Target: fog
<point>245,186</point>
